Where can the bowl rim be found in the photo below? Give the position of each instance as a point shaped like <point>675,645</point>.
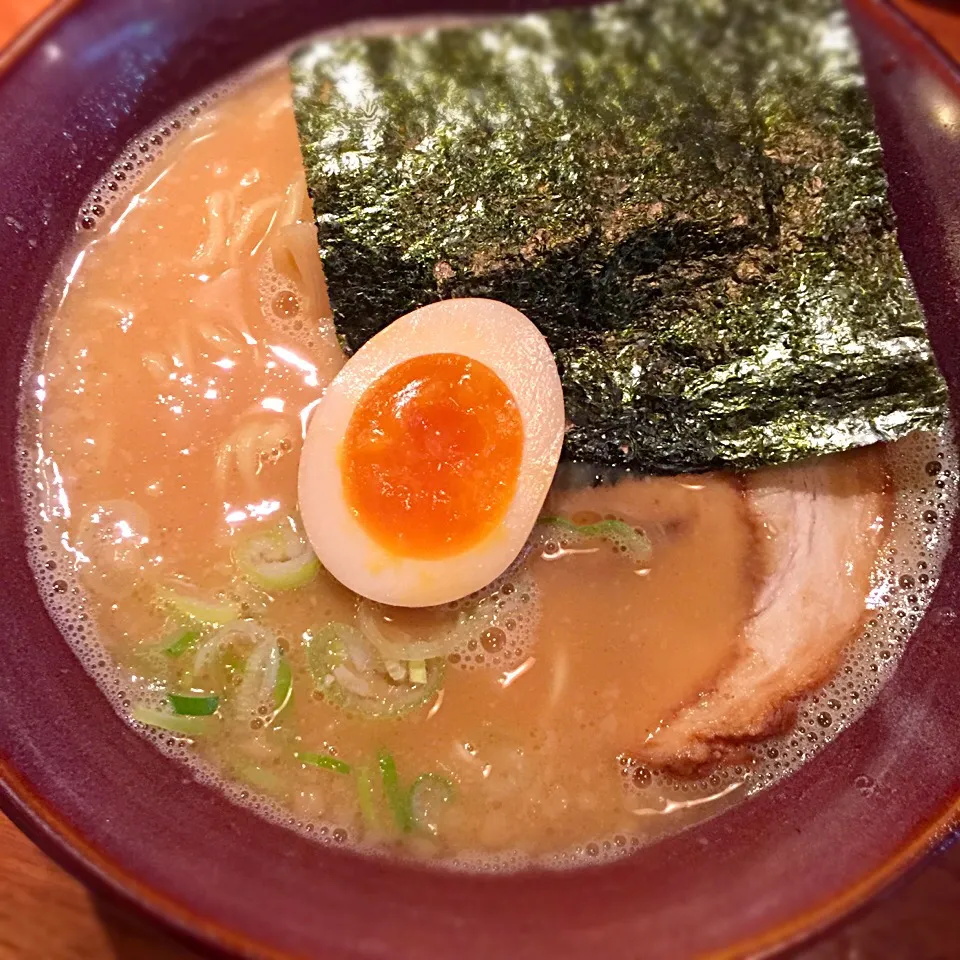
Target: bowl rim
<point>41,823</point>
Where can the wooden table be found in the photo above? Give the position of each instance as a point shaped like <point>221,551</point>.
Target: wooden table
<point>47,915</point>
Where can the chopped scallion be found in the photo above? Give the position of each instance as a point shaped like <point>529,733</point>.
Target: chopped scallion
<point>189,726</point>
<point>395,670</point>
<point>278,559</point>
<point>186,601</point>
<point>417,670</point>
<point>368,808</point>
<point>616,530</point>
<point>348,672</point>
<point>234,662</point>
<point>324,761</point>
<point>397,797</point>
<point>193,705</point>
<point>180,641</point>
<point>283,687</point>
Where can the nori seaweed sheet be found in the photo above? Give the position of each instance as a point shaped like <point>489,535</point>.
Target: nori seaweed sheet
<point>686,196</point>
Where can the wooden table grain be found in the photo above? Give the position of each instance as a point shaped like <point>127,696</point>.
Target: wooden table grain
<point>47,915</point>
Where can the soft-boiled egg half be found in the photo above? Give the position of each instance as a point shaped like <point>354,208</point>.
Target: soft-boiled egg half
<point>427,461</point>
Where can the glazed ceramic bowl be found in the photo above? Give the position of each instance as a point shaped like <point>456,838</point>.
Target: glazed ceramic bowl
<point>135,826</point>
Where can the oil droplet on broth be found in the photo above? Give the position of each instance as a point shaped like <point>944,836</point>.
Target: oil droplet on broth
<point>286,305</point>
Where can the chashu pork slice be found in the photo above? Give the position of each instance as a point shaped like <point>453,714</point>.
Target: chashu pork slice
<point>821,524</point>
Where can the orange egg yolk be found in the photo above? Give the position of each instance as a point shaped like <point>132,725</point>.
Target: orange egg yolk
<point>431,456</point>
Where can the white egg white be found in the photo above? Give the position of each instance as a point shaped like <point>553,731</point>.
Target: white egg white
<point>509,344</point>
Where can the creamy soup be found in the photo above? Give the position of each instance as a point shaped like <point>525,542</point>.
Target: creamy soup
<point>658,651</point>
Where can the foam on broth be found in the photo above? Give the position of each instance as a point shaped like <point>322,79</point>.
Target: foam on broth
<point>184,334</point>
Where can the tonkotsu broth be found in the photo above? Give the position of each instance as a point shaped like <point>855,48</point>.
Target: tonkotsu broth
<point>178,370</point>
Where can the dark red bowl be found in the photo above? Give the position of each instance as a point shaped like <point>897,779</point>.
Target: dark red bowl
<point>134,825</point>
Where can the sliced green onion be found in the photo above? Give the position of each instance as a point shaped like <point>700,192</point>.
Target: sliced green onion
<point>395,670</point>
<point>257,691</point>
<point>349,673</point>
<point>279,559</point>
<point>429,794</point>
<point>180,641</point>
<point>185,601</point>
<point>418,671</point>
<point>189,726</point>
<point>324,761</point>
<point>228,640</point>
<point>326,650</point>
<point>397,797</point>
<point>368,808</point>
<point>374,621</point>
<point>192,705</point>
<point>262,684</point>
<point>283,688</point>
<point>615,530</point>
<point>234,662</point>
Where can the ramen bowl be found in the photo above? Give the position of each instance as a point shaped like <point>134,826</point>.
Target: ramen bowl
<point>761,877</point>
